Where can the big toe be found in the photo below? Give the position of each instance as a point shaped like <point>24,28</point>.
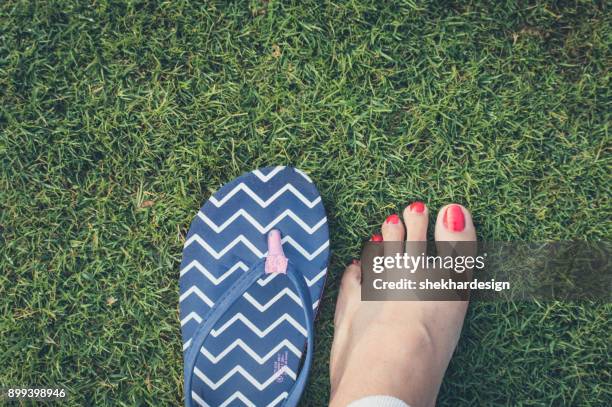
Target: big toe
<point>454,224</point>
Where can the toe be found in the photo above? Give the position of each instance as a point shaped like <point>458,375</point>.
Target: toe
<point>352,274</point>
<point>350,290</point>
<point>392,229</point>
<point>416,218</point>
<point>393,235</point>
<point>454,224</point>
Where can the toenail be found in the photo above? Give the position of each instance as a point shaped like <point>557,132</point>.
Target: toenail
<point>376,238</point>
<point>356,262</point>
<point>393,219</point>
<point>417,207</point>
<point>453,218</point>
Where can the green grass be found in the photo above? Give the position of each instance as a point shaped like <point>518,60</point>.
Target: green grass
<point>118,119</point>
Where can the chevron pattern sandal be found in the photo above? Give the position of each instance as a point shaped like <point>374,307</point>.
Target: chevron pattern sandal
<point>253,271</point>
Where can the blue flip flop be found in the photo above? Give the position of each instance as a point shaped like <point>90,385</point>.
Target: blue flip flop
<point>253,271</point>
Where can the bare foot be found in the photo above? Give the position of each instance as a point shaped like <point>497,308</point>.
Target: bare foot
<point>397,348</point>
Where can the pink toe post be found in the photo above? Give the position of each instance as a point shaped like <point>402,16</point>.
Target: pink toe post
<point>276,262</point>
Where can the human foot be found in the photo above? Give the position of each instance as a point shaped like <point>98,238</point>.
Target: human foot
<point>396,348</point>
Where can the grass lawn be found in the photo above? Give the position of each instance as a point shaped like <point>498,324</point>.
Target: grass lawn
<point>118,119</point>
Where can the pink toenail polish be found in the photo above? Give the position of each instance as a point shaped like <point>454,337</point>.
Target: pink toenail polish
<point>356,262</point>
<point>376,238</point>
<point>417,207</point>
<point>393,219</point>
<point>453,218</point>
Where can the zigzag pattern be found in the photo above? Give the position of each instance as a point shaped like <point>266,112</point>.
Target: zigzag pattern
<point>260,307</point>
<point>261,333</point>
<point>240,265</point>
<point>195,290</point>
<point>252,327</point>
<point>285,370</point>
<point>264,281</point>
<point>242,239</point>
<point>239,396</point>
<point>261,202</point>
<point>264,307</point>
<point>227,236</point>
<point>265,178</point>
<point>240,317</point>
<point>261,282</point>
<point>288,213</point>
<point>215,280</point>
<point>218,254</point>
<point>238,343</point>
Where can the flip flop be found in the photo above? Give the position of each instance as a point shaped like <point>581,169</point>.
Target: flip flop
<point>247,310</point>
